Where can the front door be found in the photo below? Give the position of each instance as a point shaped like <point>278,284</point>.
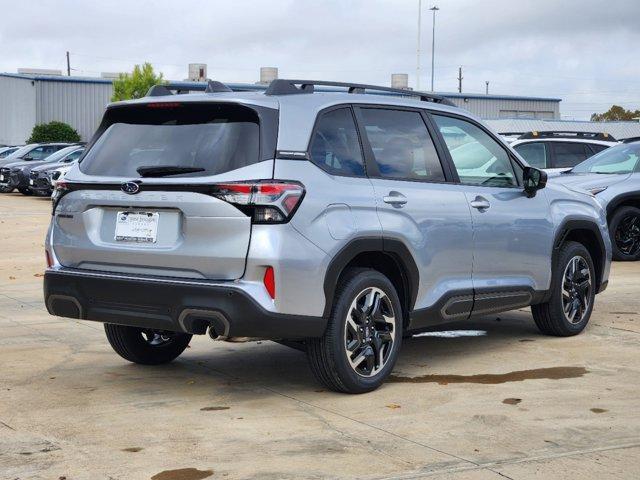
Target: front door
<point>513,234</point>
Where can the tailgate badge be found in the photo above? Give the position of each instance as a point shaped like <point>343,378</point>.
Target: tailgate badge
<point>130,187</point>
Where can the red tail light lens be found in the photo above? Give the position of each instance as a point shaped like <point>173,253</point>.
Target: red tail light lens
<point>48,257</point>
<point>266,201</point>
<point>270,282</point>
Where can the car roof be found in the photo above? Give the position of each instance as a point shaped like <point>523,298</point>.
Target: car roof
<point>298,112</point>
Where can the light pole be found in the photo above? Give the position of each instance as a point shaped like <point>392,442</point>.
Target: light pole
<point>434,9</point>
<point>419,42</point>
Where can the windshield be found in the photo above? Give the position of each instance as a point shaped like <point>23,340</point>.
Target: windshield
<point>618,159</point>
<point>199,139</point>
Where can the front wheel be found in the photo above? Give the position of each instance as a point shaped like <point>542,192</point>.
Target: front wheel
<point>6,189</point>
<point>146,346</point>
<point>573,292</point>
<point>363,337</point>
<point>25,191</point>
<point>624,229</point>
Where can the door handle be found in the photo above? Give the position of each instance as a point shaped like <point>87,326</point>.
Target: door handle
<point>480,203</point>
<point>395,198</point>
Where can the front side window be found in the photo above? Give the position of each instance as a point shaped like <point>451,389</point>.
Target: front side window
<point>477,157</point>
<point>401,144</point>
<point>335,146</point>
<point>618,159</point>
<point>535,153</point>
<point>569,154</point>
<point>181,139</point>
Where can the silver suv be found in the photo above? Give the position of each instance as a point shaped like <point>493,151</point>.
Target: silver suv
<point>335,221</point>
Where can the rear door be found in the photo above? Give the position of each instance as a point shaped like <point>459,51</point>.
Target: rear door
<point>418,204</point>
<point>141,199</point>
<point>513,234</point>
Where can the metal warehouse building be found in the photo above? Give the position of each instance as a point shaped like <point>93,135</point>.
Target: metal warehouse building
<point>27,100</point>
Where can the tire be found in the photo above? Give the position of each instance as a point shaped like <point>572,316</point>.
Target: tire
<point>135,344</point>
<point>555,316</point>
<point>624,229</point>
<point>6,189</point>
<point>25,191</point>
<point>328,355</point>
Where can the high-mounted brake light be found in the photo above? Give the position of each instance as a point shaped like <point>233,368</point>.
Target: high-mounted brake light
<point>164,105</point>
<point>266,201</point>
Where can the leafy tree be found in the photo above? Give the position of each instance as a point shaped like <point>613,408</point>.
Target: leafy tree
<point>616,112</point>
<point>135,84</point>
<point>53,132</point>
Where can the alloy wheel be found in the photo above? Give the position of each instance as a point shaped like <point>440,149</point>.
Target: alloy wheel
<point>576,289</point>
<point>627,235</point>
<point>156,338</point>
<point>369,332</point>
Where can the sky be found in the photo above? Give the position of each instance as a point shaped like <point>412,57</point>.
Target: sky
<point>585,52</point>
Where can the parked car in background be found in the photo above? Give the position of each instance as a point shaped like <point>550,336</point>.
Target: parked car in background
<point>29,153</point>
<point>613,176</point>
<point>20,172</point>
<point>557,151</point>
<point>334,221</point>
<point>6,151</point>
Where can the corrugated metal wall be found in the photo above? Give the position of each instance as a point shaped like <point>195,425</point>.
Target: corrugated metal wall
<point>80,104</point>
<point>619,130</point>
<point>498,108</point>
<point>17,109</point>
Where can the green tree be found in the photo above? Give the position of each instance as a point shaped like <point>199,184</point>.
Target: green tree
<point>616,112</point>
<point>135,84</point>
<point>53,132</point>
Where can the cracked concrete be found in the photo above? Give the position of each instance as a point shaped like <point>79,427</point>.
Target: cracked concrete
<point>70,407</point>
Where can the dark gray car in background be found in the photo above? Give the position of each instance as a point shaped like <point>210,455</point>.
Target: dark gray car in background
<point>30,153</point>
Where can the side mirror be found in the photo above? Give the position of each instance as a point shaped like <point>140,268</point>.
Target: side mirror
<point>27,158</point>
<point>533,180</point>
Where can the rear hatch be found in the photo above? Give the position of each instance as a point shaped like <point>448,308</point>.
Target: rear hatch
<point>142,200</point>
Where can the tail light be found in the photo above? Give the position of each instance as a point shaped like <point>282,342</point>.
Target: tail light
<point>48,257</point>
<point>60,191</point>
<point>264,201</point>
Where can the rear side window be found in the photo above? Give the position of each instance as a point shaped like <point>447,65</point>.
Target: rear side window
<point>401,144</point>
<point>535,153</point>
<point>335,146</point>
<point>597,148</point>
<point>569,154</point>
<point>216,138</point>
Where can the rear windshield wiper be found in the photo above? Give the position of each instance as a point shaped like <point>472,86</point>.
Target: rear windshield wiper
<point>166,170</point>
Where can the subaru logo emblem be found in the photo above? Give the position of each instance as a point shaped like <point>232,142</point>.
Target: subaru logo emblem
<point>130,187</point>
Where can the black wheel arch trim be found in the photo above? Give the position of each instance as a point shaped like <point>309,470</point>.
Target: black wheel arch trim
<point>618,200</point>
<point>393,247</point>
<point>563,232</point>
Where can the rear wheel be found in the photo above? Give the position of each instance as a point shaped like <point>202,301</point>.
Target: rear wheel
<point>146,346</point>
<point>568,310</point>
<point>363,337</point>
<point>624,229</point>
<point>25,191</point>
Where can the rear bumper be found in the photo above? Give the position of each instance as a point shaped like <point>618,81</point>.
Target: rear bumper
<point>166,304</point>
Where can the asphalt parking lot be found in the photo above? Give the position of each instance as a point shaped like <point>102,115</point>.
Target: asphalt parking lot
<point>499,401</point>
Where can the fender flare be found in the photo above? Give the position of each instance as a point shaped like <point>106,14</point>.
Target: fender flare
<point>616,201</point>
<point>392,247</point>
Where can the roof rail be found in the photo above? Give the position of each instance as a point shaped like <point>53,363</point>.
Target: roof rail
<point>568,134</point>
<point>180,88</point>
<point>283,86</point>
<point>630,140</point>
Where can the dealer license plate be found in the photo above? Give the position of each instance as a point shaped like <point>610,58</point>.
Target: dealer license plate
<point>139,227</point>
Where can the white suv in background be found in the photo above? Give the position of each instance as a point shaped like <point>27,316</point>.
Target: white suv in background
<point>558,151</point>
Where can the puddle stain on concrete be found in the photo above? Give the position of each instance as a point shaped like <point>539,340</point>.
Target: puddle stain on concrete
<point>213,409</point>
<point>598,410</point>
<point>511,401</point>
<point>552,373</point>
<point>132,449</point>
<point>183,474</point>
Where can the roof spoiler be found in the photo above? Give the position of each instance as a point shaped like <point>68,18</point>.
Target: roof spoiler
<point>164,89</point>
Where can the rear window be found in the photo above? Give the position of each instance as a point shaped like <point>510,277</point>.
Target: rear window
<point>213,137</point>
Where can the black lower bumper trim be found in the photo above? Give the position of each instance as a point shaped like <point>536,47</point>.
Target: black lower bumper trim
<point>170,305</point>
